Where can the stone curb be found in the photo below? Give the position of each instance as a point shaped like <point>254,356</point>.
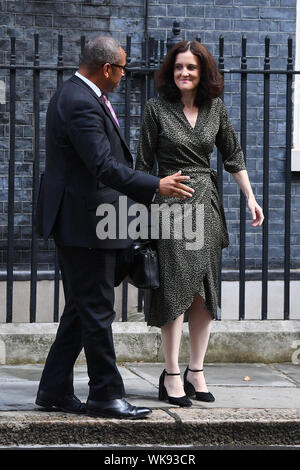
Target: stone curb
<point>231,341</point>
<point>164,427</point>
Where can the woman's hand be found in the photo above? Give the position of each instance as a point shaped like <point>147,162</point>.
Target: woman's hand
<point>242,179</point>
<point>256,212</point>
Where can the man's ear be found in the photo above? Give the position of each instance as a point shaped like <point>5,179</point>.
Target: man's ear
<point>106,70</point>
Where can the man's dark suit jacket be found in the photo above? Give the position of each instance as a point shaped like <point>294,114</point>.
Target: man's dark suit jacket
<point>87,163</point>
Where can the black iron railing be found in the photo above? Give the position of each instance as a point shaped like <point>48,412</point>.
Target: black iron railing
<point>153,52</point>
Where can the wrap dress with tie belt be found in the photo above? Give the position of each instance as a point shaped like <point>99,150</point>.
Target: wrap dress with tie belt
<point>192,231</point>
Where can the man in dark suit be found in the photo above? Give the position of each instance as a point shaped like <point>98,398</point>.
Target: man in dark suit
<point>88,163</point>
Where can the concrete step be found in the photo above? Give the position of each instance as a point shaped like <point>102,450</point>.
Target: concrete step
<point>230,341</point>
<point>197,426</point>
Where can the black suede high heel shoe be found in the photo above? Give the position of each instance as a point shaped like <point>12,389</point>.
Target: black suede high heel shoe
<point>190,389</point>
<point>163,394</point>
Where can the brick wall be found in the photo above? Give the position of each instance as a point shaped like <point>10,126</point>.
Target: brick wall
<point>204,19</point>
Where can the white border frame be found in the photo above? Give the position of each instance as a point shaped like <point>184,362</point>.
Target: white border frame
<point>296,99</point>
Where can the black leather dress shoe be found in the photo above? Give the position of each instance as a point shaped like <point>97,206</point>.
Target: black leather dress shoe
<point>69,403</point>
<point>118,408</point>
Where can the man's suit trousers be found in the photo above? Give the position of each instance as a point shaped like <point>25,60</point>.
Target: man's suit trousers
<point>88,280</point>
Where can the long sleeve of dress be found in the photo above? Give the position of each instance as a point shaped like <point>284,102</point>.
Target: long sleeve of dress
<point>228,144</point>
<point>148,140</point>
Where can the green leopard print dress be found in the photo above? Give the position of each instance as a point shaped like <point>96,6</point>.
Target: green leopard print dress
<point>189,245</point>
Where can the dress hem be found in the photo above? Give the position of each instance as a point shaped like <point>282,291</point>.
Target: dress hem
<point>185,313</point>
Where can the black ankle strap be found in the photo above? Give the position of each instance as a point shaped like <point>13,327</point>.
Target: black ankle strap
<point>167,373</point>
<point>197,370</point>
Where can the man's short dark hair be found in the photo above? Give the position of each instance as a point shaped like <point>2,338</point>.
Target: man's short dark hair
<point>99,51</point>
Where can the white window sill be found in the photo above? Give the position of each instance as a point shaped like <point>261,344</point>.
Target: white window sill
<point>295,164</point>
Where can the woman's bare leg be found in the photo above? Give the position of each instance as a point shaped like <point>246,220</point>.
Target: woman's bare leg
<point>171,337</point>
<point>199,329</point>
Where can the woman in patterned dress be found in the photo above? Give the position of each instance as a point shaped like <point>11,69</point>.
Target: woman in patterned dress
<point>180,128</point>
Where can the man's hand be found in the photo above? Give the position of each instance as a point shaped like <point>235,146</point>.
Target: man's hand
<point>172,186</point>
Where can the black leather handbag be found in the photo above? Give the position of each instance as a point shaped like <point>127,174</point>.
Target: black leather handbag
<point>144,270</point>
<point>138,265</point>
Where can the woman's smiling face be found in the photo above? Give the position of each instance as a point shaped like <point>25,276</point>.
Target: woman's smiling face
<point>187,72</point>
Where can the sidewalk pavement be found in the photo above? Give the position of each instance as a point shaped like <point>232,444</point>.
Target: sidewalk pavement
<point>256,404</point>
